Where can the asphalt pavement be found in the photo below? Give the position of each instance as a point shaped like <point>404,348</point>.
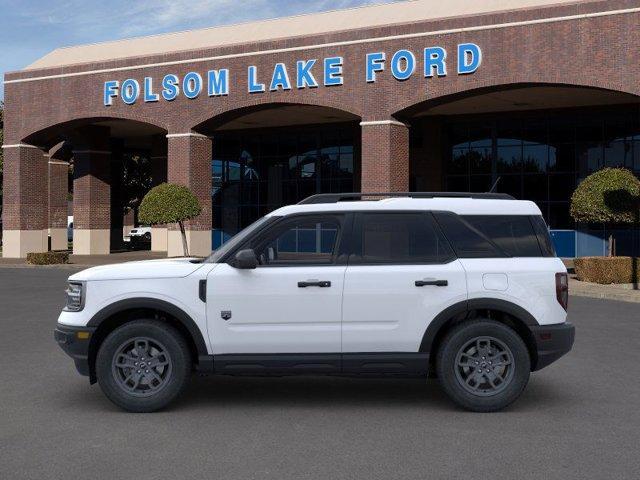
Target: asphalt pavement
<point>578,418</point>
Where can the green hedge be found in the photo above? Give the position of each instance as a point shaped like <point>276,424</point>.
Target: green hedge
<point>607,270</point>
<point>48,258</point>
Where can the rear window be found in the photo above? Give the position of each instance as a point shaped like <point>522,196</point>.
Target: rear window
<point>477,236</point>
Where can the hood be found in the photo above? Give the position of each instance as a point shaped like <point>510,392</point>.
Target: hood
<point>151,269</point>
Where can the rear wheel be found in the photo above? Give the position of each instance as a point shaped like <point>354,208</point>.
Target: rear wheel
<point>143,366</point>
<point>483,365</point>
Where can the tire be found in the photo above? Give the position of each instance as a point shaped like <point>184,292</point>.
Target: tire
<point>128,379</point>
<point>483,365</point>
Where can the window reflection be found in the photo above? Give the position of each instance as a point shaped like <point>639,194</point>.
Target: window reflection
<point>257,171</point>
<point>541,156</point>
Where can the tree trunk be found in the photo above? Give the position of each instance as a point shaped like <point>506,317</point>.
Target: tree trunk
<point>611,250</point>
<point>185,246</point>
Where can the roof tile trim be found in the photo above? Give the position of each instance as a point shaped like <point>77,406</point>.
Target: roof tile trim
<point>279,28</point>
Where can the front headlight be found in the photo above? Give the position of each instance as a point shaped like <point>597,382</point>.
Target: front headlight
<point>75,297</point>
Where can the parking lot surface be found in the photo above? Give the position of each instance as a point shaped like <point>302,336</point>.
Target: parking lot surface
<point>579,418</point>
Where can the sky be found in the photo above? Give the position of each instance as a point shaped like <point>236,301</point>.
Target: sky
<point>30,29</point>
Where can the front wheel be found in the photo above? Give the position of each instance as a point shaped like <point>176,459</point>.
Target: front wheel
<point>483,365</point>
<point>143,365</point>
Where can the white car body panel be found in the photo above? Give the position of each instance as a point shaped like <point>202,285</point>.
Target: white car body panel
<point>145,269</point>
<point>271,314</point>
<point>166,280</point>
<point>384,311</point>
<point>531,284</point>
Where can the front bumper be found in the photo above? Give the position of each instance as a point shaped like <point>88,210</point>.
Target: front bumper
<point>552,342</point>
<point>75,343</point>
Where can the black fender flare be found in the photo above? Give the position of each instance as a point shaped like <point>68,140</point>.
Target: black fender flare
<point>155,304</point>
<point>466,306</point>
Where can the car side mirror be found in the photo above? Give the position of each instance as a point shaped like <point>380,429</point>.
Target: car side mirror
<point>246,259</point>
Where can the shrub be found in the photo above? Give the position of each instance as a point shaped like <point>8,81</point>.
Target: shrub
<point>47,258</point>
<point>170,203</point>
<point>609,195</point>
<point>606,270</point>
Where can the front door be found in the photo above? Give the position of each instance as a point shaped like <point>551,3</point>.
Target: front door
<point>292,302</point>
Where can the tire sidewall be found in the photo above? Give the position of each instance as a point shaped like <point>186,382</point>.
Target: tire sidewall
<point>446,364</point>
<point>176,349</point>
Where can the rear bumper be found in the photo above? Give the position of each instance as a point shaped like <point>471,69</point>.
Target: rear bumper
<point>75,343</point>
<point>552,342</point>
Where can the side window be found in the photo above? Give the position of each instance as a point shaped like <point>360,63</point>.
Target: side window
<point>478,236</point>
<point>512,233</point>
<point>544,239</point>
<point>302,241</point>
<point>397,238</point>
<point>467,241</point>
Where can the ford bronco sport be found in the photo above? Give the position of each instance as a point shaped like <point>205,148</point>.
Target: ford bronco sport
<point>465,287</point>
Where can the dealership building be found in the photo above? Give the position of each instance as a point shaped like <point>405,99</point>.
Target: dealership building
<point>409,96</point>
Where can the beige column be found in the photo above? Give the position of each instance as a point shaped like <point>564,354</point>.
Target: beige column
<point>189,164</point>
<point>385,156</point>
<point>24,201</point>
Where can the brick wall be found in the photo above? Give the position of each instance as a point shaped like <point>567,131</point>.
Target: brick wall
<point>588,51</point>
<point>58,188</point>
<point>189,164</point>
<point>385,158</point>
<point>24,201</point>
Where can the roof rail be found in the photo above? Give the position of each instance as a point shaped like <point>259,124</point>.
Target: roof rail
<point>341,197</point>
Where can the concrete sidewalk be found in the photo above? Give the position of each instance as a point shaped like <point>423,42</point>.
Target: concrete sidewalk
<point>623,292</point>
<point>90,260</point>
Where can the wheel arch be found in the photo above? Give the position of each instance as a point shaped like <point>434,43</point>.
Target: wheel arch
<point>502,311</point>
<point>124,311</point>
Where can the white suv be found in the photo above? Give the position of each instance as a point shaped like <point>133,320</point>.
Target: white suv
<point>465,287</point>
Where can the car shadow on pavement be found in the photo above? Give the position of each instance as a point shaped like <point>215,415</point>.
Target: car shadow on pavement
<point>212,392</point>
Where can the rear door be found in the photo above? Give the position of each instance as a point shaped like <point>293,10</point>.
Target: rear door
<point>402,273</point>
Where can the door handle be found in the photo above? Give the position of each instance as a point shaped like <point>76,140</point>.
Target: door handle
<point>314,283</point>
<point>435,283</point>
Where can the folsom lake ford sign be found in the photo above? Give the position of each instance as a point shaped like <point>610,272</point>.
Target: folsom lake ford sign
<point>310,73</point>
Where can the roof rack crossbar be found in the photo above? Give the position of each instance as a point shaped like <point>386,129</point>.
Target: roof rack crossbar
<point>341,197</point>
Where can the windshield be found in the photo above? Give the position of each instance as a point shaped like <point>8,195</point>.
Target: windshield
<point>237,239</point>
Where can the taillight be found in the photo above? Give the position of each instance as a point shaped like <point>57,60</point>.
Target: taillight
<point>562,289</point>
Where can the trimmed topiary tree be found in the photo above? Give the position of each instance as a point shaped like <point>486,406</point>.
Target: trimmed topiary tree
<point>609,196</point>
<point>170,203</point>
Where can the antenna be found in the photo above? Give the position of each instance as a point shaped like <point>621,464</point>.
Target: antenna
<point>495,186</point>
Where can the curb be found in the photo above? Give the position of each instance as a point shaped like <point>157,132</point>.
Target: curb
<point>603,292</point>
<point>63,266</point>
